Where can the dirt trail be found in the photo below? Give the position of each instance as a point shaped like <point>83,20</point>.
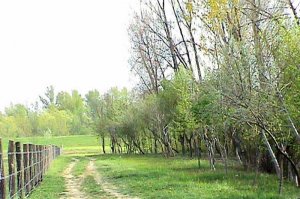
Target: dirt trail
<point>72,183</point>
<point>106,187</point>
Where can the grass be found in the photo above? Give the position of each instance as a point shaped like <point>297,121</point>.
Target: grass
<point>80,166</point>
<point>67,142</point>
<point>158,177</point>
<point>152,176</point>
<point>77,144</point>
<point>53,184</point>
<point>92,189</point>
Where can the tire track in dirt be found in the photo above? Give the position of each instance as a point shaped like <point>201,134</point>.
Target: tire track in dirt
<point>73,184</point>
<point>106,186</point>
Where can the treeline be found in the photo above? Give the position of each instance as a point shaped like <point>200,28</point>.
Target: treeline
<point>220,77</point>
<point>54,114</point>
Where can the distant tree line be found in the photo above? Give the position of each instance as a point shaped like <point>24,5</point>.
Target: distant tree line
<point>54,114</point>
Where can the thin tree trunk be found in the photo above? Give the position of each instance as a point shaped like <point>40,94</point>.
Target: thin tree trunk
<point>197,150</point>
<point>294,11</point>
<point>258,157</point>
<point>209,150</point>
<point>139,148</point>
<point>272,155</point>
<point>238,155</point>
<point>281,174</point>
<point>223,154</point>
<point>181,138</point>
<point>155,146</point>
<point>103,144</point>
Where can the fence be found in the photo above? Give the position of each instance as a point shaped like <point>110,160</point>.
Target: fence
<point>27,165</point>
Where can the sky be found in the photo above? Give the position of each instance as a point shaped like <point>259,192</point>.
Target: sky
<point>69,44</point>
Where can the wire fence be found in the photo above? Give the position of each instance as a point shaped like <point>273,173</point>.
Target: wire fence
<point>27,165</point>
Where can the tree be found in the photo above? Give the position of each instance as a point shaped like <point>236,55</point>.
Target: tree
<point>97,110</point>
<point>49,99</point>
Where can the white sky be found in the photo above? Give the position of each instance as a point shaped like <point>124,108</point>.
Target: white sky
<point>69,44</point>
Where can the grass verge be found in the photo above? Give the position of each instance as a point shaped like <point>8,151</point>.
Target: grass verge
<point>53,184</point>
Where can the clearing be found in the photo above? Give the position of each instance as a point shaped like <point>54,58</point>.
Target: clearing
<point>87,173</point>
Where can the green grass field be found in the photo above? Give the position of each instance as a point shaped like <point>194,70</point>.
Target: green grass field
<point>70,144</point>
<point>150,176</point>
<point>158,177</point>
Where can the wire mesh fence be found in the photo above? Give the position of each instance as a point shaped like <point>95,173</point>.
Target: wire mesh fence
<point>26,166</point>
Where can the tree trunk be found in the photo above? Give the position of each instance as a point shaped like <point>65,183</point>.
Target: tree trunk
<point>258,157</point>
<point>272,155</point>
<point>210,151</point>
<point>223,154</point>
<point>103,144</point>
<point>190,140</point>
<point>155,146</point>
<point>238,155</point>
<point>139,148</point>
<point>281,174</point>
<point>181,139</point>
<point>197,150</point>
<point>112,145</point>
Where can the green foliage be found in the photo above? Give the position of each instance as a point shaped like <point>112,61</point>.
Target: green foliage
<point>62,114</point>
<point>289,59</point>
<point>207,108</point>
<point>55,122</point>
<point>177,98</point>
<point>16,121</point>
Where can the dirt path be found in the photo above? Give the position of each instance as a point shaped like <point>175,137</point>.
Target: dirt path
<point>106,187</point>
<point>72,183</point>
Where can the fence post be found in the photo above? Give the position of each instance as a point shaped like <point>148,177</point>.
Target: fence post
<point>34,165</point>
<point>31,170</point>
<point>54,152</point>
<point>2,177</point>
<point>11,168</point>
<point>44,159</point>
<point>50,157</point>
<point>26,168</point>
<point>39,163</point>
<point>20,169</point>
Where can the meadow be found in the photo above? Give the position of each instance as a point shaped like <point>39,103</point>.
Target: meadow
<point>147,176</point>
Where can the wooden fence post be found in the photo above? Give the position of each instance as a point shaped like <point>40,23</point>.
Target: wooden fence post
<point>2,177</point>
<point>26,168</point>
<point>31,170</point>
<point>44,159</point>
<point>20,169</point>
<point>50,157</point>
<point>35,165</point>
<point>11,168</point>
<point>39,164</point>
